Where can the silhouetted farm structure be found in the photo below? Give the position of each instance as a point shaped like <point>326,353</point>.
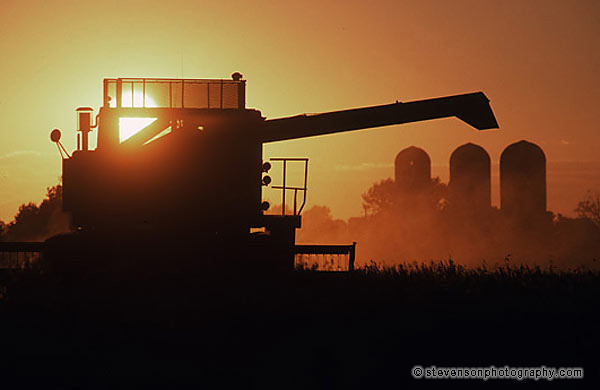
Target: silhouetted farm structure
<point>522,178</point>
<point>412,170</point>
<point>470,183</point>
<point>424,219</point>
<point>523,181</point>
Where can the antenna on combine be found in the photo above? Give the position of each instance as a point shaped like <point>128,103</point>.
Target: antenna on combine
<point>55,137</point>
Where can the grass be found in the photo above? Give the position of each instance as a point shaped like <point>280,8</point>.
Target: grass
<point>302,330</point>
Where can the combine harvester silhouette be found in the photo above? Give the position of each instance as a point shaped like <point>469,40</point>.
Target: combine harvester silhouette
<point>193,176</point>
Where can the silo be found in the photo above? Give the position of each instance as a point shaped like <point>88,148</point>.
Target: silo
<point>470,183</point>
<point>523,180</point>
<point>412,169</point>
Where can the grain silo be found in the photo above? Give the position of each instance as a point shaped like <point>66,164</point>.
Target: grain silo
<point>470,183</point>
<point>523,180</point>
<point>412,169</point>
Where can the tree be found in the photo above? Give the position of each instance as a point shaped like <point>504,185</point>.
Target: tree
<point>26,222</point>
<point>385,195</point>
<point>34,222</point>
<point>381,196</point>
<point>590,207</point>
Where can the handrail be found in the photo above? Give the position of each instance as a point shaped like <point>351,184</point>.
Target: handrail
<point>144,89</point>
<point>284,187</point>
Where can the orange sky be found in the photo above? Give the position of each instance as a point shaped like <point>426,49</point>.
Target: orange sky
<point>537,61</point>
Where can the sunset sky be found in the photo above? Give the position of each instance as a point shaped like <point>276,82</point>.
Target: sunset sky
<point>537,61</point>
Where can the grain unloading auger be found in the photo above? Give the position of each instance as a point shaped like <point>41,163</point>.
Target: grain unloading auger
<point>196,169</point>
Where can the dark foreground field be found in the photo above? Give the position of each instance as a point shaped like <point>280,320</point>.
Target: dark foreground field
<point>303,330</point>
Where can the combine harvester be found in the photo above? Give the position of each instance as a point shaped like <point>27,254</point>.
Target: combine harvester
<point>190,181</point>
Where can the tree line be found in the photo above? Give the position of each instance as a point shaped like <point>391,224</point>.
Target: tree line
<point>35,222</point>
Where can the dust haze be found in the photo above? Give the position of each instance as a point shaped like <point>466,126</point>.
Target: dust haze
<point>416,218</point>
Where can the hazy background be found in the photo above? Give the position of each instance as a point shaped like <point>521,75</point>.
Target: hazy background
<point>537,61</point>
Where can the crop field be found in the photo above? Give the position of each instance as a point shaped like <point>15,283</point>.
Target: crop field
<point>306,329</point>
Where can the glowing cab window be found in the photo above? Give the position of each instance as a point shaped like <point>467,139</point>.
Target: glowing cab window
<point>130,126</point>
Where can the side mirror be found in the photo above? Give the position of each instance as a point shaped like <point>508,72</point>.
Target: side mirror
<point>55,137</point>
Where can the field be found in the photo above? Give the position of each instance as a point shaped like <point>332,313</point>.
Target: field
<point>302,330</point>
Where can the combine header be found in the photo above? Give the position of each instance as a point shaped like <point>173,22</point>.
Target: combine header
<point>195,170</point>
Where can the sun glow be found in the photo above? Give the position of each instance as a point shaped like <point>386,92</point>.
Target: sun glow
<point>130,126</point>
